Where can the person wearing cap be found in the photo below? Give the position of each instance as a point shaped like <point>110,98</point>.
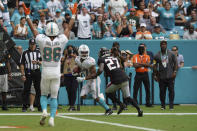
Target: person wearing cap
<point>30,71</point>
<point>153,22</point>
<point>59,19</point>
<point>37,7</point>
<point>164,70</point>
<point>129,59</point>
<point>141,62</point>
<point>132,18</point>
<point>53,5</point>
<point>143,33</point>
<point>42,21</point>
<point>157,34</point>
<point>20,30</point>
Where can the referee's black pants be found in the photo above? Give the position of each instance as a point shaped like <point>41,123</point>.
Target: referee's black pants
<point>139,78</point>
<point>35,77</point>
<point>71,86</point>
<point>163,85</point>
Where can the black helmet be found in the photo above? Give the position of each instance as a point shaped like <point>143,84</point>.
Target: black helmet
<point>104,52</point>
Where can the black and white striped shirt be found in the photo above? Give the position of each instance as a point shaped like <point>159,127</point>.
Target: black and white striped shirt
<point>28,56</point>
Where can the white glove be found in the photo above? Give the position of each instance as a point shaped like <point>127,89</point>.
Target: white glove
<point>80,79</point>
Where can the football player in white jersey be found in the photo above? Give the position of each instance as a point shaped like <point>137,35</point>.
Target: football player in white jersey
<point>91,90</point>
<point>51,46</point>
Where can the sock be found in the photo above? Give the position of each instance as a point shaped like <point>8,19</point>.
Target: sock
<point>131,101</point>
<point>103,104</point>
<point>43,102</point>
<point>89,96</point>
<point>53,107</point>
<point>31,106</point>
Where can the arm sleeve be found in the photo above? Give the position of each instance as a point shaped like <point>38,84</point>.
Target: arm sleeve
<point>22,59</point>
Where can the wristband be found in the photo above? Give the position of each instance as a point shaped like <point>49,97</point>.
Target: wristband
<point>73,16</point>
<point>27,17</point>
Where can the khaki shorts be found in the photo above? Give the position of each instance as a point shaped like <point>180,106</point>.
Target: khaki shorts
<point>4,83</point>
<point>124,86</point>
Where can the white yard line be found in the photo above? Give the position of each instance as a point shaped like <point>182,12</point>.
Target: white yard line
<point>81,114</point>
<point>109,123</point>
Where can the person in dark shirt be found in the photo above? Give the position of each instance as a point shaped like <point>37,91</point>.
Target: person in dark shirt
<point>165,68</point>
<point>192,7</point>
<point>119,80</point>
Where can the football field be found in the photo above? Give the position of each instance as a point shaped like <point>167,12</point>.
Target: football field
<point>91,118</point>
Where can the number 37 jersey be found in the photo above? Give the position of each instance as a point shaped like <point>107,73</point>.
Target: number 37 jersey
<point>113,70</point>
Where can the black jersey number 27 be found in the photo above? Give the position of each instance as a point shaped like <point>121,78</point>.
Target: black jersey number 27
<point>112,63</point>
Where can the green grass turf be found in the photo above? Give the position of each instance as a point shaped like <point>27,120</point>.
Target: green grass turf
<point>169,122</point>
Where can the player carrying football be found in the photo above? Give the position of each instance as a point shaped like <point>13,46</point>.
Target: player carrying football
<point>119,80</point>
<point>91,89</point>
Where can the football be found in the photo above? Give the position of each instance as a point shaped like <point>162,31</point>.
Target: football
<point>76,70</point>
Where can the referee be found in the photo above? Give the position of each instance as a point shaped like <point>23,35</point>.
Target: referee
<point>30,70</point>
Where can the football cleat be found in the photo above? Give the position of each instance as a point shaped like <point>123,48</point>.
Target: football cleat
<point>43,118</point>
<point>122,107</point>
<point>140,113</point>
<point>51,122</point>
<point>31,109</point>
<point>108,112</point>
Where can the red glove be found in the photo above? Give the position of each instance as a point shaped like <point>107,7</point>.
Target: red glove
<point>26,10</point>
<point>74,9</point>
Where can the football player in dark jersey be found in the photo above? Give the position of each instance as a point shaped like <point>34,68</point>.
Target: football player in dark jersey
<point>119,80</point>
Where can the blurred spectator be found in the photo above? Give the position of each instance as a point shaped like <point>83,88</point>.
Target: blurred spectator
<point>174,3</point>
<point>6,15</point>
<point>5,74</point>
<point>37,7</point>
<point>1,9</point>
<point>42,22</point>
<point>58,18</point>
<point>140,11</point>
<point>152,11</point>
<point>1,24</point>
<point>87,4</point>
<point>165,68</point>
<point>192,7</point>
<point>117,20</point>
<point>180,58</point>
<point>53,5</point>
<point>110,32</point>
<point>96,4</point>
<point>193,19</point>
<point>65,25</point>
<point>69,4</point>
<point>190,34</point>
<point>167,15</point>
<point>124,29</point>
<point>157,34</point>
<point>69,80</point>
<point>20,30</point>
<point>100,11</point>
<point>143,33</point>
<point>129,59</point>
<point>106,17</point>
<point>30,69</point>
<point>133,20</point>
<point>145,18</point>
<point>180,19</point>
<point>12,5</point>
<point>99,28</point>
<point>15,19</point>
<point>35,24</point>
<point>84,30</point>
<point>153,22</point>
<point>117,6</point>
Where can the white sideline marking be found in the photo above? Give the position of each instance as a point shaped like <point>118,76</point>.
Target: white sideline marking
<point>90,114</point>
<point>109,123</point>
